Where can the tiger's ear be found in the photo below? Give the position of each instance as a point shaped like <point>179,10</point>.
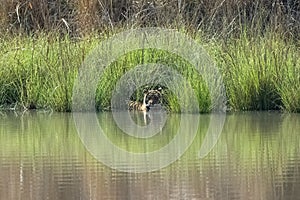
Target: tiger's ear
<point>146,89</point>
<point>160,90</point>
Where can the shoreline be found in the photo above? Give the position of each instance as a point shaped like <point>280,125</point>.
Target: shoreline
<point>258,73</point>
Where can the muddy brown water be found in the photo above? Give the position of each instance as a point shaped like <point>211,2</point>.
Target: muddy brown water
<point>257,156</point>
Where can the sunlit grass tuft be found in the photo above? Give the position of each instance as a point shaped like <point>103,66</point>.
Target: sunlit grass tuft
<point>38,72</point>
<point>259,73</point>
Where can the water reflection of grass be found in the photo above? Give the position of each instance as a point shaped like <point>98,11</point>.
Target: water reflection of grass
<point>34,135</point>
<point>256,155</point>
<point>244,135</point>
<point>134,144</point>
<point>254,149</point>
<point>248,136</point>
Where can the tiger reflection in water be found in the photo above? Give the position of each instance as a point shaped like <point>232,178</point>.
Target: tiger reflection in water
<point>151,97</point>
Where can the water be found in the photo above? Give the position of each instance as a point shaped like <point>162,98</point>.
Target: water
<point>256,157</point>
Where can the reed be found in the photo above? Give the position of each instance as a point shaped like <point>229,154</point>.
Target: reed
<point>260,73</point>
<point>217,17</point>
<point>255,45</point>
<point>38,72</point>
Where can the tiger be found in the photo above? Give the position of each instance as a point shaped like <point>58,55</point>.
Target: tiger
<point>151,97</point>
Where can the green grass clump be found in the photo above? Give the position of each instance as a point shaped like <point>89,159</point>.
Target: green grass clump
<point>255,45</point>
<point>38,72</point>
<point>259,73</point>
<point>114,72</point>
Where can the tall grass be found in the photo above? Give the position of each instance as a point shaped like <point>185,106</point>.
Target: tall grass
<point>38,72</point>
<point>255,45</point>
<point>217,17</point>
<point>259,73</point>
<point>170,100</point>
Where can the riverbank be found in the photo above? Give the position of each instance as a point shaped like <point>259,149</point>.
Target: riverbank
<point>255,45</point>
<point>259,73</point>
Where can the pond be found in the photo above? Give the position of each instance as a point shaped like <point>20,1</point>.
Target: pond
<point>44,156</point>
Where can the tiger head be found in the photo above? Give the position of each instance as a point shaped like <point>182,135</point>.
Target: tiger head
<point>152,97</point>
